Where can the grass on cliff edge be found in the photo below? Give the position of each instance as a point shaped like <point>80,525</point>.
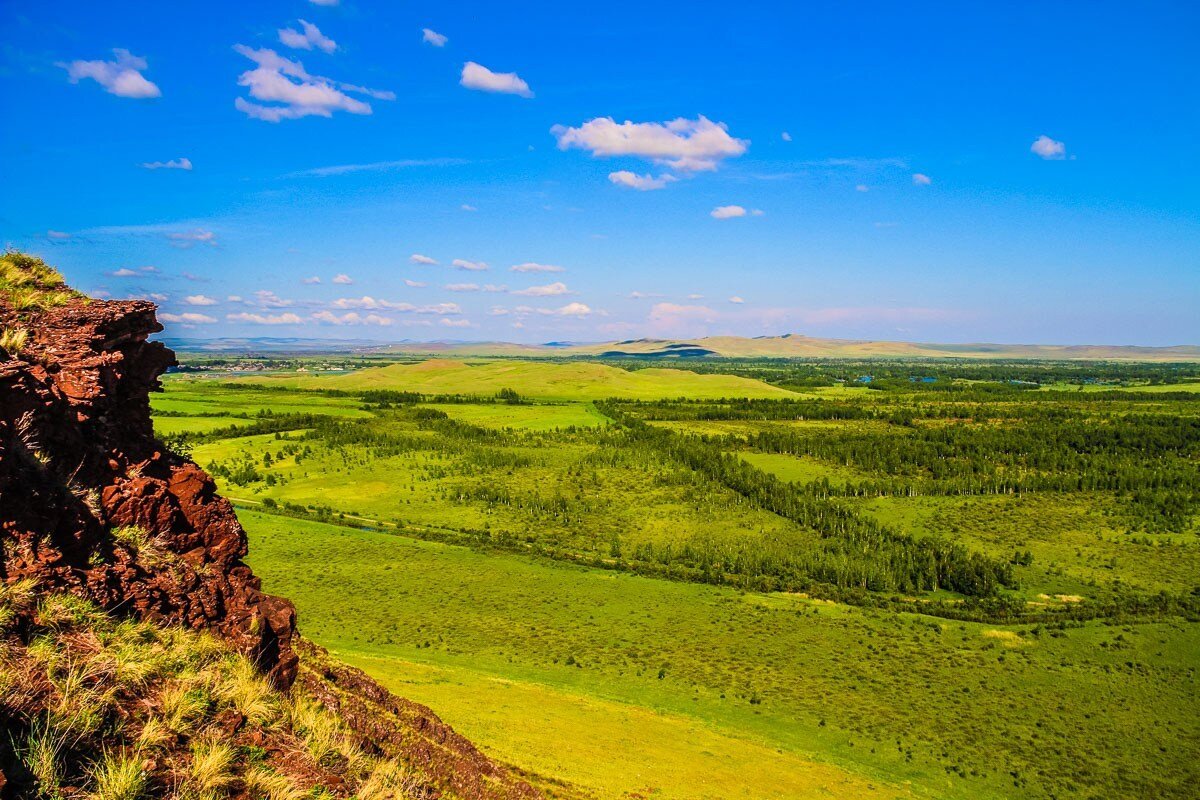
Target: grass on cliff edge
<point>570,671</point>
<point>92,707</point>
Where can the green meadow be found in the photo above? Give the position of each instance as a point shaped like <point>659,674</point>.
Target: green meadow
<point>902,591</point>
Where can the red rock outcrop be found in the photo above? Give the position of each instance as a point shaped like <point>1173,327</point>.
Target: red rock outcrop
<point>92,503</point>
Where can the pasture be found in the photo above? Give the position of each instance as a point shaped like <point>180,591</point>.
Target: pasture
<point>906,592</point>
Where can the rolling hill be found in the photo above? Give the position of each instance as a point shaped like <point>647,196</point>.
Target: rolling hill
<point>540,380</point>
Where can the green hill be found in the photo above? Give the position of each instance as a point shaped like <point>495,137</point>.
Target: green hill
<point>539,380</point>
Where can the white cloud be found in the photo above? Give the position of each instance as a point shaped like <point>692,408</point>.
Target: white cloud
<point>862,187</point>
<point>417,258</point>
<point>148,269</point>
<point>573,310</point>
<point>461,287</point>
<point>757,212</point>
<point>643,183</point>
<point>468,207</point>
<point>415,284</point>
<point>58,236</point>
<point>185,239</point>
<point>375,166</point>
<point>920,179</point>
<point>499,311</point>
<point>311,280</point>
<point>122,76</point>
<point>433,37</point>
<point>695,297</point>
<point>684,144</point>
<point>200,300</point>
<point>736,300</point>
<point>342,279</point>
<point>325,2</point>
<point>297,93</point>
<point>787,137</point>
<point>160,297</point>
<point>233,298</point>
<point>287,318</point>
<point>190,318</point>
<point>351,318</point>
<point>124,272</point>
<point>473,266</point>
<point>666,315</point>
<point>307,39</point>
<point>549,290</point>
<point>370,303</point>
<point>268,299</point>
<point>727,212</point>
<point>455,323</point>
<point>1048,148</point>
<point>533,266</point>
<point>174,163</point>
<point>477,76</point>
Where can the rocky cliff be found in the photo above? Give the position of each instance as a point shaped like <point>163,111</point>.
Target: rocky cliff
<point>93,508</point>
<point>91,502</point>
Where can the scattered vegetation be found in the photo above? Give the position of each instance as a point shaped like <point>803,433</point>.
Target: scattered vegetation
<point>28,284</point>
<point>106,709</point>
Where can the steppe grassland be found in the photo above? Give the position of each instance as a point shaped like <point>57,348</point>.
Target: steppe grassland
<point>528,637</point>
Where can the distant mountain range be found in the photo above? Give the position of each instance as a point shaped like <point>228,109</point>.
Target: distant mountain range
<point>787,346</point>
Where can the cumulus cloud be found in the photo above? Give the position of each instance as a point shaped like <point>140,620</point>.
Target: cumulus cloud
<point>643,183</point>
<point>287,318</point>
<point>787,137</point>
<point>920,179</point>
<point>573,310</point>
<point>200,300</point>
<point>175,163</point>
<point>122,76</point>
<point>415,284</point>
<point>342,279</point>
<point>311,280</point>
<point>371,303</point>
<point>1048,148</point>
<point>683,144</point>
<point>472,266</point>
<point>549,290</point>
<point>433,37</point>
<point>185,239</point>
<point>307,38</point>
<point>461,287</point>
<point>455,323</point>
<point>533,266</point>
<point>124,272</point>
<point>477,76</point>
<point>351,318</point>
<point>727,212</point>
<point>417,258</point>
<point>190,318</point>
<point>736,300</point>
<point>293,91</point>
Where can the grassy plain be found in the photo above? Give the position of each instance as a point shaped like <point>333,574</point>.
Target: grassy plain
<point>539,380</point>
<point>571,671</point>
<point>710,690</point>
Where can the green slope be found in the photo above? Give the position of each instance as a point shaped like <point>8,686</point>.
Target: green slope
<point>545,381</point>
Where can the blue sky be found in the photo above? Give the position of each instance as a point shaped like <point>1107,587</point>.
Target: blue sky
<point>918,171</point>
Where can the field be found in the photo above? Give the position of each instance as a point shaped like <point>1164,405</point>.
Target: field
<point>539,380</point>
<point>903,592</point>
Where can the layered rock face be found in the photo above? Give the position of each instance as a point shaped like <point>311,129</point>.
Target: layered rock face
<point>92,503</point>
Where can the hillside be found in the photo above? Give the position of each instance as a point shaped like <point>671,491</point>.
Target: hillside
<point>547,381</point>
<point>798,346</point>
<point>138,655</point>
<point>790,345</point>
